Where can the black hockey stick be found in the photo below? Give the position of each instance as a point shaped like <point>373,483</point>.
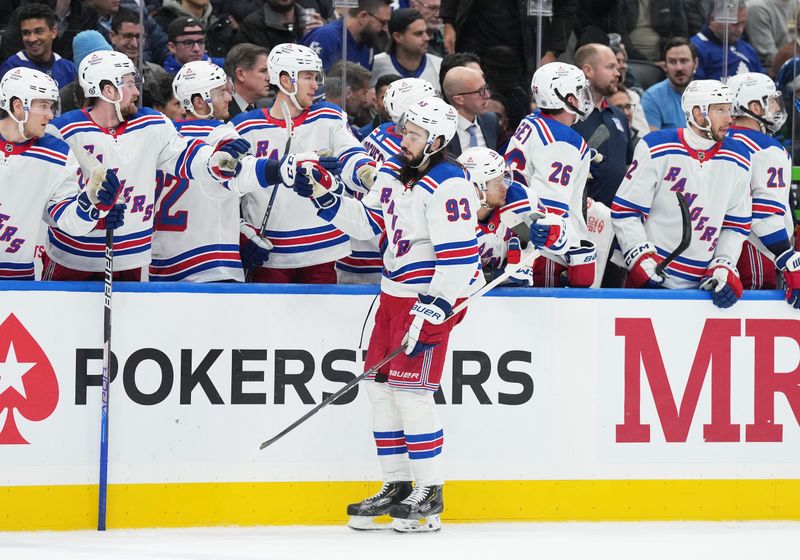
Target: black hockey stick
<point>287,117</point>
<point>107,291</point>
<point>394,353</point>
<point>686,235</point>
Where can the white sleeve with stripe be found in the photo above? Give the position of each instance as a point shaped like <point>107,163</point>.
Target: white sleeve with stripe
<point>631,205</point>
<point>360,219</point>
<point>63,210</point>
<point>736,223</point>
<point>770,183</point>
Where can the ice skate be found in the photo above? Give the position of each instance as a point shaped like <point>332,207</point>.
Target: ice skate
<point>419,512</point>
<point>363,514</point>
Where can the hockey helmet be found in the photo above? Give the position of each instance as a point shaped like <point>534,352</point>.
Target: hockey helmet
<point>436,117</point>
<point>27,85</point>
<point>402,93</point>
<point>484,165</point>
<point>109,66</point>
<point>199,77</point>
<point>752,86</point>
<point>553,82</point>
<point>703,94</point>
<point>292,59</point>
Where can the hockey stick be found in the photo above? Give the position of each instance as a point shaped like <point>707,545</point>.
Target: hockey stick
<point>90,163</point>
<point>686,235</point>
<point>396,352</point>
<point>287,118</point>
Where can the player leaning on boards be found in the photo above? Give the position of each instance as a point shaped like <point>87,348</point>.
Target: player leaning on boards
<point>712,171</point>
<point>305,246</point>
<point>198,233</point>
<point>134,143</point>
<point>758,112</point>
<point>38,174</point>
<point>424,205</point>
<point>552,160</point>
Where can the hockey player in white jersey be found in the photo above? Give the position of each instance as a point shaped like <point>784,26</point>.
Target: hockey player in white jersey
<point>425,204</point>
<point>364,264</point>
<point>712,172</point>
<point>758,112</point>
<point>198,233</point>
<point>39,175</point>
<point>135,143</point>
<point>552,160</point>
<point>305,246</point>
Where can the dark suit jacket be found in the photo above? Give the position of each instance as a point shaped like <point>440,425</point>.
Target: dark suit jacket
<point>489,128</point>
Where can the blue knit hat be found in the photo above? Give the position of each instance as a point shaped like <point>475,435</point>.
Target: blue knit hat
<point>85,43</point>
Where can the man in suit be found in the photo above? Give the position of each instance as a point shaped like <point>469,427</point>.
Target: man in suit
<point>466,89</point>
<point>246,65</point>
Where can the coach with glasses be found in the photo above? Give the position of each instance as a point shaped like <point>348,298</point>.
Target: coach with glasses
<point>187,43</point>
<point>467,91</point>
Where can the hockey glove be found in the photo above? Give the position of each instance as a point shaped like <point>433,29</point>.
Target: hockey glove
<point>722,280</point>
<point>316,183</point>
<point>100,193</point>
<point>549,232</point>
<point>641,262</point>
<point>224,163</point>
<point>253,249</point>
<point>115,218</point>
<point>425,328</point>
<point>331,164</point>
<point>367,174</point>
<point>581,263</point>
<point>789,263</point>
<point>521,275</point>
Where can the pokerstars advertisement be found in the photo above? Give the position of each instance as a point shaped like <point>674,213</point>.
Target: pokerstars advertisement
<point>534,388</point>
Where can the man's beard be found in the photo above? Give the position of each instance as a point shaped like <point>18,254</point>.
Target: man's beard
<point>370,38</point>
<point>409,163</point>
<point>128,110</point>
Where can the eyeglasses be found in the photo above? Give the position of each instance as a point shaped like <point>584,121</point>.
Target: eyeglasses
<point>626,106</point>
<point>384,22</point>
<point>189,43</point>
<point>482,91</point>
<point>131,36</point>
<point>432,7</point>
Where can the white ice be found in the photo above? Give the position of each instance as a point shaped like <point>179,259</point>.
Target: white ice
<point>492,541</point>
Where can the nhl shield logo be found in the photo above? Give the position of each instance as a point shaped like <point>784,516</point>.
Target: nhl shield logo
<point>9,147</point>
<point>701,156</point>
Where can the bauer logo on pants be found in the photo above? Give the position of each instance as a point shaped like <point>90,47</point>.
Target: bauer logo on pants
<point>28,384</point>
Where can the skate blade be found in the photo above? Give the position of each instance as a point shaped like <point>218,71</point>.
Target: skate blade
<point>428,524</point>
<point>362,523</point>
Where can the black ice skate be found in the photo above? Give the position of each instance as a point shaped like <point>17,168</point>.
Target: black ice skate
<point>419,513</point>
<point>363,514</point>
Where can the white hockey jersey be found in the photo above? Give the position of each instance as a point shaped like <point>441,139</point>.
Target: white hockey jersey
<point>136,149</point>
<point>196,227</point>
<point>770,183</point>
<point>300,238</point>
<point>493,234</point>
<point>552,160</point>
<point>716,186</point>
<point>364,264</point>
<point>429,225</point>
<point>38,180</point>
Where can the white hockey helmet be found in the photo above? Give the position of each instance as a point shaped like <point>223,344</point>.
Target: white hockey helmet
<point>292,59</point>
<point>753,86</point>
<point>198,77</point>
<point>402,93</point>
<point>553,82</point>
<point>26,84</point>
<point>484,165</point>
<point>109,66</point>
<point>436,117</point>
<point>703,94</point>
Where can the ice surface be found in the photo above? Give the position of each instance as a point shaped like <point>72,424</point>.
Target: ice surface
<point>492,541</point>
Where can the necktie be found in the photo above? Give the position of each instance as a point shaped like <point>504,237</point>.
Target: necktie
<point>473,136</point>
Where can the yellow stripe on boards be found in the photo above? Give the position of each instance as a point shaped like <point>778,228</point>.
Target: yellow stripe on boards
<point>324,503</point>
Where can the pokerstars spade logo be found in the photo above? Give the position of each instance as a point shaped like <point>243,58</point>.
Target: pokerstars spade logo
<point>28,384</point>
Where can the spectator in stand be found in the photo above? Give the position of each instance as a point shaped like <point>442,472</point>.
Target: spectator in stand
<point>381,115</point>
<point>430,11</point>
<point>365,26</point>
<point>246,66</point>
<point>159,95</point>
<point>84,43</point>
<point>467,91</point>
<point>276,22</point>
<point>742,57</point>
<point>662,102</point>
<point>219,38</point>
<point>408,50</point>
<point>623,101</point>
<point>358,95</point>
<point>654,23</point>
<point>126,35</point>
<point>97,14</point>
<point>497,105</point>
<point>68,21</point>
<point>599,65</point>
<point>630,91</point>
<point>468,59</point>
<point>787,50</point>
<point>768,27</point>
<point>187,43</point>
<point>696,14</point>
<point>37,26</point>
